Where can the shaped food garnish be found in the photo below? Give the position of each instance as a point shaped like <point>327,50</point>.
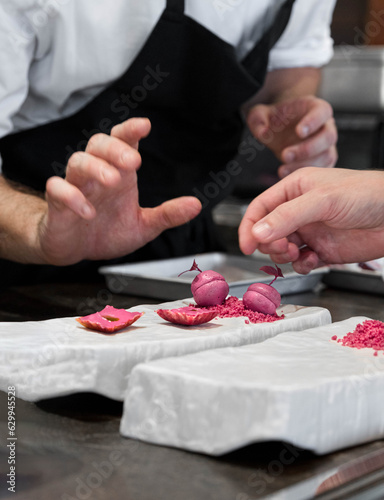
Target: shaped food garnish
<point>188,316</point>
<point>261,297</point>
<point>209,288</point>
<point>109,320</point>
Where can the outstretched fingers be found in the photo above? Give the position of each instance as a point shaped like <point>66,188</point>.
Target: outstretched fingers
<point>62,195</point>
<point>169,214</point>
<point>318,113</point>
<point>132,130</point>
<point>318,149</point>
<point>102,165</point>
<point>84,168</point>
<point>114,151</point>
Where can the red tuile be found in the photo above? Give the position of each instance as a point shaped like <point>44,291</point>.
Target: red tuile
<point>109,320</point>
<point>188,316</point>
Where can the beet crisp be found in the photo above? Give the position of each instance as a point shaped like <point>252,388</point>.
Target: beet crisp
<point>370,333</point>
<point>233,307</point>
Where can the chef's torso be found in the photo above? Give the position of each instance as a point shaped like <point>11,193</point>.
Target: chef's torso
<point>56,55</point>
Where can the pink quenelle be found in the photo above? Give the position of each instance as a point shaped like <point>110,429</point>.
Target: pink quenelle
<point>209,288</point>
<point>262,298</point>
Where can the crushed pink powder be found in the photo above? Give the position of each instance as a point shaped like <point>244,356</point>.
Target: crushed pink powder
<point>234,308</point>
<point>370,333</point>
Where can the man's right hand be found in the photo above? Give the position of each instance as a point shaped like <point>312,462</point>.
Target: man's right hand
<point>314,217</point>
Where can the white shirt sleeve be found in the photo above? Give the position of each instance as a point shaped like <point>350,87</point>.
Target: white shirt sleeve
<point>17,44</point>
<point>307,39</point>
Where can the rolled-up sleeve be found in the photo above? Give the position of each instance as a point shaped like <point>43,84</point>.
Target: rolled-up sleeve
<point>307,39</point>
<point>17,44</point>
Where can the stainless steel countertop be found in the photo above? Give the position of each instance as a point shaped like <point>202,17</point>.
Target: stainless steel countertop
<point>70,447</point>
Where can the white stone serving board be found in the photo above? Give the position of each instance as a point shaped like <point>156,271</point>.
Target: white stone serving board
<point>298,387</point>
<point>58,357</point>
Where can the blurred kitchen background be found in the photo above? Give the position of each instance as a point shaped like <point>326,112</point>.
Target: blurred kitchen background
<point>353,82</point>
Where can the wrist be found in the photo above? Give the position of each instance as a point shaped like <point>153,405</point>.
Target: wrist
<point>21,212</point>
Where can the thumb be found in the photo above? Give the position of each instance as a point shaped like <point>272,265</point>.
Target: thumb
<point>170,214</point>
<point>283,220</point>
<point>289,217</point>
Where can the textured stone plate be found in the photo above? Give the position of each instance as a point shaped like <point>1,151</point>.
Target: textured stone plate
<point>298,387</point>
<point>59,357</point>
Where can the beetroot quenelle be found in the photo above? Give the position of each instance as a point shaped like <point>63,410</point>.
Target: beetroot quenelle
<point>209,288</point>
<point>261,297</point>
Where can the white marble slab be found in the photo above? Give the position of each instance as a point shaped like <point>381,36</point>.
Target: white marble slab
<point>298,387</point>
<point>59,357</point>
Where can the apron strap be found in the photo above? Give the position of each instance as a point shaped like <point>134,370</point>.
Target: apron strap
<point>251,62</point>
<point>283,17</point>
<point>176,6</point>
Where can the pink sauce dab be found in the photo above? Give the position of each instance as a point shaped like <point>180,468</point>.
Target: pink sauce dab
<point>109,320</point>
<point>369,334</point>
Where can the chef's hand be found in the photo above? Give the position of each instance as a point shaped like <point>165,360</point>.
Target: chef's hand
<point>315,217</point>
<point>94,212</point>
<point>300,132</point>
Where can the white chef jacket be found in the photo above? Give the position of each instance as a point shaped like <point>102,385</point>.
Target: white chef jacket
<point>56,55</point>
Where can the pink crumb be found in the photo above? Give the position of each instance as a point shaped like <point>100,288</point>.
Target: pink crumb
<point>334,337</point>
<point>370,333</point>
<point>233,307</point>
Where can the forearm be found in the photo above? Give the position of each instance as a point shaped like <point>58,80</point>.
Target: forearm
<point>285,84</point>
<point>20,215</point>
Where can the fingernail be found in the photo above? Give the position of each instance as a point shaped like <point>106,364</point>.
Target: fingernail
<point>86,211</point>
<point>262,230</point>
<point>304,131</point>
<point>289,156</point>
<point>309,263</point>
<point>284,171</point>
<point>107,175</point>
<point>261,130</point>
<point>127,157</point>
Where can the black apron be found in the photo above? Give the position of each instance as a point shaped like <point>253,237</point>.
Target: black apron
<point>191,86</point>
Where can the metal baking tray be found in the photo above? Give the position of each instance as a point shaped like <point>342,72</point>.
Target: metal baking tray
<point>159,278</point>
<point>360,280</point>
<point>353,80</point>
